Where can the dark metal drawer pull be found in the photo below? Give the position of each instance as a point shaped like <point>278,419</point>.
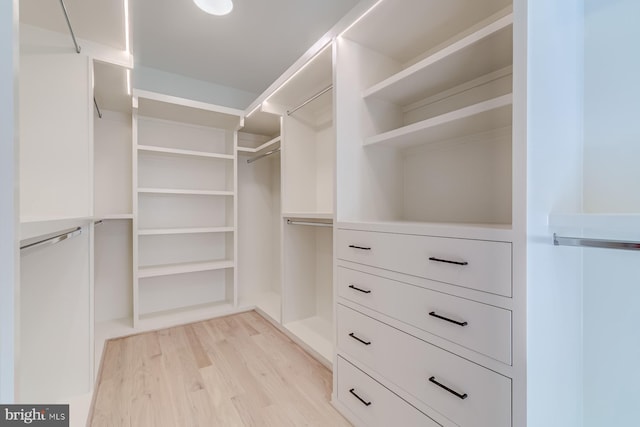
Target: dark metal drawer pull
<point>352,335</point>
<point>447,261</point>
<point>433,313</point>
<point>359,290</point>
<point>461,396</point>
<point>364,248</point>
<point>359,398</point>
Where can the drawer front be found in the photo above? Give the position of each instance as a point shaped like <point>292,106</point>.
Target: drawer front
<point>480,327</point>
<point>476,264</point>
<point>464,392</point>
<point>379,406</point>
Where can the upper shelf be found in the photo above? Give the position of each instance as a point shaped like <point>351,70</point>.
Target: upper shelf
<point>421,30</point>
<point>166,107</point>
<point>187,153</point>
<point>271,144</point>
<point>485,116</point>
<point>488,49</point>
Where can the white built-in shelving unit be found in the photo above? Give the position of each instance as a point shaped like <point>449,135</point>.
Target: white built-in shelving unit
<point>184,237</point>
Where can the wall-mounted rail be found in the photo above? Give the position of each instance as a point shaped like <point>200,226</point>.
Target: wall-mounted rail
<point>314,224</point>
<point>73,36</point>
<point>313,98</point>
<point>268,153</point>
<point>595,243</point>
<point>54,239</point>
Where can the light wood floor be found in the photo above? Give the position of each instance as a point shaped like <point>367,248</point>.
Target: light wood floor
<point>231,371</point>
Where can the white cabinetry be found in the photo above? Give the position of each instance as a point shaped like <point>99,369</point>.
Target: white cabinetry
<point>426,243</point>
<point>184,209</point>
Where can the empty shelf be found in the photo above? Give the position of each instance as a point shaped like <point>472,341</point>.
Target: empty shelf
<point>185,192</point>
<point>188,267</point>
<point>184,230</point>
<point>180,152</point>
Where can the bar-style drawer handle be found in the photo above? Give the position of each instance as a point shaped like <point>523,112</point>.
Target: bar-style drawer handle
<point>352,335</point>
<point>461,396</point>
<point>364,402</point>
<point>448,261</point>
<point>364,291</point>
<point>434,314</point>
<point>362,248</point>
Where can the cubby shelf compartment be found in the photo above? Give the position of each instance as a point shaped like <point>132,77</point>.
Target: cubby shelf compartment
<point>183,230</point>
<point>485,116</point>
<point>482,52</point>
<point>180,152</point>
<point>185,192</point>
<point>187,267</point>
<point>272,143</point>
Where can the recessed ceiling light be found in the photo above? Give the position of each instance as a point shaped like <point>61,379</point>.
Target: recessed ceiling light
<point>215,7</point>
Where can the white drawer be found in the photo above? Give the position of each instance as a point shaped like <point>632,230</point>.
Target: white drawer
<point>476,264</point>
<point>374,404</point>
<point>476,396</point>
<point>480,327</point>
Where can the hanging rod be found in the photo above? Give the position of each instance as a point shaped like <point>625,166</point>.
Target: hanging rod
<point>97,108</point>
<point>66,16</point>
<point>100,221</point>
<point>313,98</point>
<point>54,239</point>
<point>315,224</point>
<point>268,153</point>
<point>595,243</point>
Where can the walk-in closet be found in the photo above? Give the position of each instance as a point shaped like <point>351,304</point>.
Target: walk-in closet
<point>346,212</point>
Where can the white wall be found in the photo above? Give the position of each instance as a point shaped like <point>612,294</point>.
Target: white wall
<point>155,80</point>
<point>9,257</point>
<point>612,176</point>
<point>554,159</point>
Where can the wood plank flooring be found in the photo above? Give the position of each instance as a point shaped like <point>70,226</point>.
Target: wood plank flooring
<point>232,371</point>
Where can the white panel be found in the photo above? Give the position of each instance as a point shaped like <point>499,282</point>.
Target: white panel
<point>9,209</point>
<point>325,169</point>
<point>299,166</point>
<point>113,271</point>
<point>324,272</point>
<point>467,180</point>
<point>54,321</point>
<point>299,281</point>
<point>55,142</point>
<point>112,164</point>
<point>181,290</point>
<point>554,163</point>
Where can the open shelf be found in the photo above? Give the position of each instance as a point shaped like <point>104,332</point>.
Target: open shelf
<point>316,333</point>
<point>484,51</point>
<point>308,215</point>
<point>272,143</point>
<point>482,117</point>
<point>180,152</point>
<point>187,267</point>
<point>183,230</point>
<point>186,192</point>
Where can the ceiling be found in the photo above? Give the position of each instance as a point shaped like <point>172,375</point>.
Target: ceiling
<point>246,50</point>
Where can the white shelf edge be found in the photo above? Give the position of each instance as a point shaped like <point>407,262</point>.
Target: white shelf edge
<point>308,215</point>
<point>189,267</point>
<point>181,152</point>
<point>458,46</point>
<point>160,97</point>
<point>424,127</point>
<point>185,192</point>
<point>185,230</point>
<point>267,144</point>
<point>113,216</point>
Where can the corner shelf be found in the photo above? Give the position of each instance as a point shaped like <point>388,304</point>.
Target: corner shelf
<point>485,116</point>
<point>181,152</point>
<point>187,267</point>
<point>482,52</point>
<point>269,144</point>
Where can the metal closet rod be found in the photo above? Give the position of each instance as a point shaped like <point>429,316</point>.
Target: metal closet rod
<point>66,16</point>
<point>268,153</point>
<point>595,243</point>
<point>315,224</point>
<point>97,108</point>
<point>313,98</point>
<point>54,239</point>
